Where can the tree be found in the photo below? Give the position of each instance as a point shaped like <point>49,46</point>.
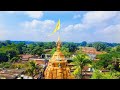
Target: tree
<point>84,43</point>
<point>65,51</point>
<point>5,65</point>
<point>3,57</point>
<point>108,49</point>
<point>52,51</point>
<point>37,51</point>
<point>8,42</point>
<point>99,46</point>
<point>72,46</point>
<point>20,46</point>
<point>89,45</point>
<point>109,60</point>
<point>118,48</point>
<point>15,59</point>
<point>107,75</point>
<point>104,60</point>
<point>33,69</point>
<point>11,53</point>
<point>80,61</point>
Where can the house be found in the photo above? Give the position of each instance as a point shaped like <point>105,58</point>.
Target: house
<point>25,57</point>
<point>91,52</point>
<point>10,73</point>
<point>39,61</point>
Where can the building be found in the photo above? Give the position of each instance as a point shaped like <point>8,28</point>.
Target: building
<point>46,56</point>
<point>25,57</point>
<point>47,50</point>
<point>57,67</point>
<point>39,61</point>
<point>11,73</point>
<point>90,50</point>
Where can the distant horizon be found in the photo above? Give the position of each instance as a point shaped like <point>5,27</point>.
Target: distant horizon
<point>76,26</point>
<point>54,41</point>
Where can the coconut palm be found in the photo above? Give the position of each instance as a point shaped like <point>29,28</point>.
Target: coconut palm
<point>33,69</point>
<point>80,60</point>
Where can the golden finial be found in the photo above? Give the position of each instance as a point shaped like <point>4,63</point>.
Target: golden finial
<point>58,44</point>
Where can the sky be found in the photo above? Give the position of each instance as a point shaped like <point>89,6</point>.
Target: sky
<point>76,26</point>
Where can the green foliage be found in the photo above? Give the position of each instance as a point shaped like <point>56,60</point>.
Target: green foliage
<point>49,45</point>
<point>109,59</point>
<point>65,51</point>
<point>5,65</point>
<point>105,60</point>
<point>99,46</point>
<point>108,49</point>
<point>89,45</point>
<point>3,57</point>
<point>20,47</point>
<point>33,69</point>
<point>37,51</point>
<point>52,51</point>
<point>77,73</point>
<point>15,59</point>
<point>106,75</point>
<point>72,46</point>
<point>18,65</point>
<point>84,43</point>
<point>80,60</point>
<point>118,48</point>
<point>97,65</point>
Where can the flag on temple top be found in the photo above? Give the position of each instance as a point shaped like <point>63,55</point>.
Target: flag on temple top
<point>57,26</point>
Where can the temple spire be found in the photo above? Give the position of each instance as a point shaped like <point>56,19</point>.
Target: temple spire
<point>58,44</point>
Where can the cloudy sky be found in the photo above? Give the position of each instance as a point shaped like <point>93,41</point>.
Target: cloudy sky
<point>76,26</point>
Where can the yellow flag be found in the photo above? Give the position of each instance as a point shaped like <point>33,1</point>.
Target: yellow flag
<point>57,26</point>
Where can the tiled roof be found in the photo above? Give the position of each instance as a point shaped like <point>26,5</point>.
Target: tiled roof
<point>26,56</point>
<point>90,50</point>
<point>10,73</point>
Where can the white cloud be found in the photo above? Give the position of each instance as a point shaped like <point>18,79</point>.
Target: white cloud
<point>46,25</point>
<point>96,26</point>
<point>99,16</point>
<point>96,20</point>
<point>110,34</point>
<point>76,16</point>
<point>77,27</point>
<point>34,14</point>
<point>34,30</point>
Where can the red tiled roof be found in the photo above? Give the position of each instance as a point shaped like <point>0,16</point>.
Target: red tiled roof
<point>90,50</point>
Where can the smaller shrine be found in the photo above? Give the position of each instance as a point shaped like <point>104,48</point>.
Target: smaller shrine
<point>57,66</point>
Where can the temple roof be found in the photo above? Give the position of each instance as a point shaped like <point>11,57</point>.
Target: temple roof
<point>58,55</point>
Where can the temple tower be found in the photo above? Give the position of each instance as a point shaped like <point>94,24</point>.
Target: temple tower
<point>57,66</point>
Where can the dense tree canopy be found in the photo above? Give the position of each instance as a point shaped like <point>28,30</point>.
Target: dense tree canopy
<point>84,43</point>
<point>99,46</point>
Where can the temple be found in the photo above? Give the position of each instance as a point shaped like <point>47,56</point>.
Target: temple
<point>57,67</point>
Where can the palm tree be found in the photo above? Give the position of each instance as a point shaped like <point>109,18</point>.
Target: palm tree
<point>33,69</point>
<point>80,60</point>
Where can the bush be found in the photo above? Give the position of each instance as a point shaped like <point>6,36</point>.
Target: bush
<point>17,65</point>
<point>107,75</point>
<point>5,65</point>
